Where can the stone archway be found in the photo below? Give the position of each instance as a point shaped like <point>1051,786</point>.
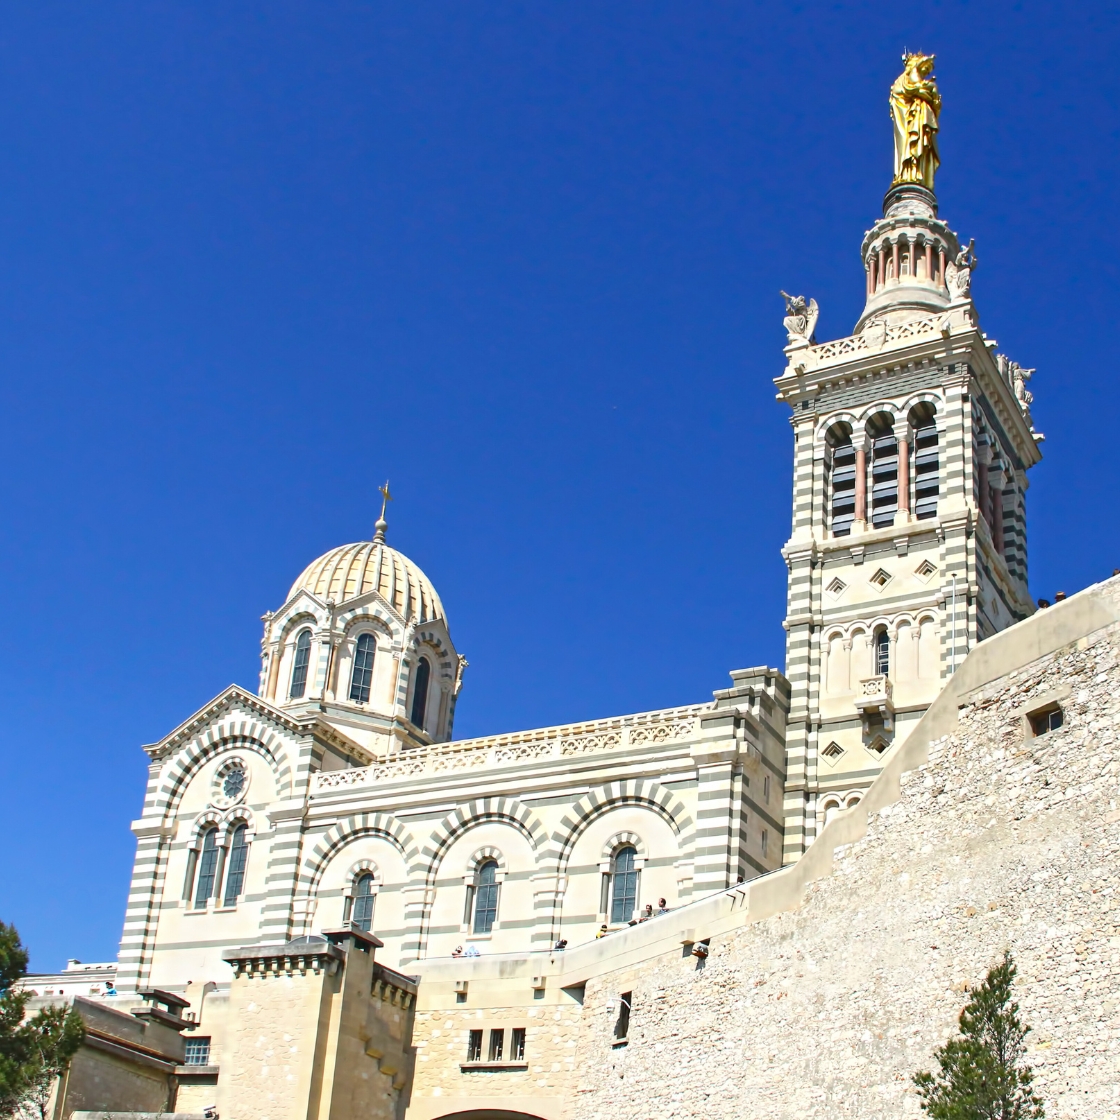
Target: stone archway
<point>488,1114</point>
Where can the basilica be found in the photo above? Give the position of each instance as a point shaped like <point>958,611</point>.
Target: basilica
<point>320,860</point>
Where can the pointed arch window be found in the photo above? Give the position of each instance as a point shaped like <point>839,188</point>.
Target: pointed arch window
<point>207,868</point>
<point>299,666</point>
<point>360,904</point>
<point>238,860</point>
<point>420,692</point>
<point>362,677</point>
<point>624,884</point>
<point>485,897</point>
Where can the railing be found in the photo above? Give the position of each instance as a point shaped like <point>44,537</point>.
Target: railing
<point>568,741</point>
<point>873,337</point>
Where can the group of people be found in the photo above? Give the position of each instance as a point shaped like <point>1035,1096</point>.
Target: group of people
<point>645,915</point>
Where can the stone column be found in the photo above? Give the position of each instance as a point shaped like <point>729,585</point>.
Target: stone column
<point>881,279</point>
<point>929,261</point>
<point>861,489</point>
<point>894,250</point>
<point>714,762</point>
<point>902,517</point>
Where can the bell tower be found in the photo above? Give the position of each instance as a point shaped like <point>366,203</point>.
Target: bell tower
<point>912,442</point>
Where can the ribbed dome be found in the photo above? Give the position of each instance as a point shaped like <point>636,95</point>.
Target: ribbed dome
<point>354,569</point>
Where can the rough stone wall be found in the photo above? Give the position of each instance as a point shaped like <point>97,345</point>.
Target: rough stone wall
<point>1001,840</point>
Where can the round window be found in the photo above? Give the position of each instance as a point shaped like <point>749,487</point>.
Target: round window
<point>230,783</point>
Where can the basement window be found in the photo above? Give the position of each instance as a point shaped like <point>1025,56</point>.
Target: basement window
<point>1048,719</point>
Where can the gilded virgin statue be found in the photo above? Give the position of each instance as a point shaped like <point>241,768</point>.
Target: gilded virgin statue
<point>915,106</point>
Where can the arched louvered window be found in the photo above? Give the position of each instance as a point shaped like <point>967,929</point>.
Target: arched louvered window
<point>884,470</point>
<point>299,667</point>
<point>843,480</point>
<point>360,904</point>
<point>238,859</point>
<point>882,653</point>
<point>207,868</point>
<point>926,461</point>
<point>362,676</point>
<point>486,897</point>
<point>624,884</point>
<point>420,692</point>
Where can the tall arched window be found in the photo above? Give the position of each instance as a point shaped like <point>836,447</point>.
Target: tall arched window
<point>843,478</point>
<point>926,462</point>
<point>486,897</point>
<point>882,653</point>
<point>624,884</point>
<point>362,676</point>
<point>238,858</point>
<point>299,667</point>
<point>360,904</point>
<point>420,692</point>
<point>884,470</point>
<point>207,868</point>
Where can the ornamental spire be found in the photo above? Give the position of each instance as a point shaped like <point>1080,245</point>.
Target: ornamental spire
<point>382,524</point>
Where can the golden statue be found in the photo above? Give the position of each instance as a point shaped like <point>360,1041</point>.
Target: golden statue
<point>915,106</point>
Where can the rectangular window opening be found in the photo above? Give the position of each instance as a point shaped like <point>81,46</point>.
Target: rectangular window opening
<point>517,1044</point>
<point>1049,719</point>
<point>474,1046</point>
<point>765,841</point>
<point>197,1052</point>
<point>497,1045</point>
<point>622,1025</point>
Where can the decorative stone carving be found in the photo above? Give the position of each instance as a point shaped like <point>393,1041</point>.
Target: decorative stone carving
<point>958,273</point>
<point>801,319</point>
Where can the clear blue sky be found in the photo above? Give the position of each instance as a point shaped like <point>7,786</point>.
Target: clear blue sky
<point>521,259</point>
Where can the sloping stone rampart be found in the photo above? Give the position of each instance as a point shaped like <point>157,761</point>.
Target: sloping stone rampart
<point>999,840</point>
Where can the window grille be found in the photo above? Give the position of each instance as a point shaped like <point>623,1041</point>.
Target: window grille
<point>197,1052</point>
<point>361,904</point>
<point>486,897</point>
<point>884,480</point>
<point>207,868</point>
<point>420,692</point>
<point>926,467</point>
<point>238,858</point>
<point>497,1045</point>
<point>299,669</point>
<point>843,489</point>
<point>474,1046</point>
<point>517,1044</point>
<point>362,676</point>
<point>624,885</point>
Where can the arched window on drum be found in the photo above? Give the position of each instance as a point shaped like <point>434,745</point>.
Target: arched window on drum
<point>362,676</point>
<point>420,692</point>
<point>300,664</point>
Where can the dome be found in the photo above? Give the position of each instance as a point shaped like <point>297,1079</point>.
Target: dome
<point>354,569</point>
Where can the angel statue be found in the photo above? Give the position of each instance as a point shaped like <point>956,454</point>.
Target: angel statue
<point>915,107</point>
<point>801,318</point>
<point>958,272</point>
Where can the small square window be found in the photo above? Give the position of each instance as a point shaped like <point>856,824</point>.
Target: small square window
<point>836,587</point>
<point>925,570</point>
<point>1049,719</point>
<point>517,1044</point>
<point>833,750</point>
<point>474,1046</point>
<point>880,579</point>
<point>197,1052</point>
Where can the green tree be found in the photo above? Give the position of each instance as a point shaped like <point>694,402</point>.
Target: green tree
<point>982,1075</point>
<point>33,1052</point>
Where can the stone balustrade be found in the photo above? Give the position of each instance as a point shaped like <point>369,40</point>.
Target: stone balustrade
<point>567,741</point>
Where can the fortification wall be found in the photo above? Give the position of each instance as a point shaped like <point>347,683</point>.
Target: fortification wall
<point>997,839</point>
